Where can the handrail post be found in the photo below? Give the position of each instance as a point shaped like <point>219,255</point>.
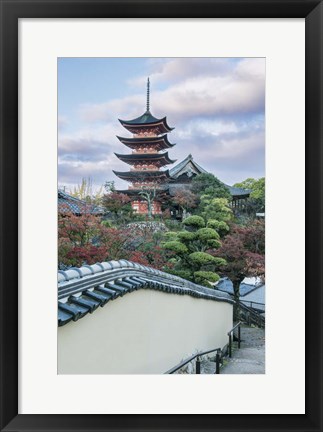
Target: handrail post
<point>217,362</point>
<point>198,365</point>
<point>230,345</point>
<point>239,335</point>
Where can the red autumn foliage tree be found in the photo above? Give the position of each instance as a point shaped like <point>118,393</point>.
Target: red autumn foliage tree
<point>114,240</point>
<point>78,230</point>
<point>75,240</point>
<point>185,199</point>
<point>89,254</point>
<point>117,203</point>
<point>85,240</point>
<point>244,251</point>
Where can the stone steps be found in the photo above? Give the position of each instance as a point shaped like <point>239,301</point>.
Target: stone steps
<point>249,359</point>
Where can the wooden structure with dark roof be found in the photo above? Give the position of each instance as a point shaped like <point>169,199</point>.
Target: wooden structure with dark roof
<point>182,174</point>
<point>148,141</point>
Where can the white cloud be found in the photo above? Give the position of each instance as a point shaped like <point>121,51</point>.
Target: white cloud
<point>216,105</point>
<point>202,91</point>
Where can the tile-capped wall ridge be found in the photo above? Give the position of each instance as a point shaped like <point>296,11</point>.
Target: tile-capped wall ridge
<point>82,290</point>
<point>116,267</point>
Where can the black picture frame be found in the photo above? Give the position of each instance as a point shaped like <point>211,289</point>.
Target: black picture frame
<point>11,11</point>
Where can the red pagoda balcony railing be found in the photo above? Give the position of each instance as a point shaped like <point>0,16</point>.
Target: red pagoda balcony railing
<point>145,134</point>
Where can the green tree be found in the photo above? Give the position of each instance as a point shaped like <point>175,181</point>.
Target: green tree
<point>215,208</point>
<point>208,184</point>
<point>256,202</point>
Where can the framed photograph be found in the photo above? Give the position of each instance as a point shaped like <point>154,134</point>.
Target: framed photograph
<point>153,218</point>
<point>135,143</point>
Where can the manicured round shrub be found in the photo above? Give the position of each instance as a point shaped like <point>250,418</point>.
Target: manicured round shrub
<point>194,221</point>
<point>207,234</point>
<point>186,236</point>
<point>219,226</point>
<point>214,244</point>
<point>176,246</point>
<point>185,274</point>
<point>170,235</point>
<point>206,275</point>
<point>220,262</point>
<point>201,258</point>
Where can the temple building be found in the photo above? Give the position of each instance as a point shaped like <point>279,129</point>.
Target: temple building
<point>181,176</point>
<point>148,144</point>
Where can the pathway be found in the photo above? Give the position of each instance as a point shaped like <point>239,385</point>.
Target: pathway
<point>249,359</point>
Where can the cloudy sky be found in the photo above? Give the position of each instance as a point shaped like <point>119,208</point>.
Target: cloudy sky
<point>217,106</point>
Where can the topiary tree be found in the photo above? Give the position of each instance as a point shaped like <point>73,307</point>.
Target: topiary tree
<point>194,221</point>
<point>220,226</point>
<point>176,246</point>
<point>193,262</point>
<point>203,277</point>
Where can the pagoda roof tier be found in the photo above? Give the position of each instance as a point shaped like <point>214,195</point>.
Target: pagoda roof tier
<point>160,142</point>
<point>132,159</point>
<point>133,176</point>
<point>146,121</point>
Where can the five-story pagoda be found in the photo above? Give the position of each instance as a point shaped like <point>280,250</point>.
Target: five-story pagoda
<point>148,143</point>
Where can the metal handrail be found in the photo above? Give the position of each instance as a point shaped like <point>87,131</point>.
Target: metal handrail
<point>198,362</point>
<point>252,302</point>
<point>233,328</point>
<point>230,333</point>
<point>253,313</point>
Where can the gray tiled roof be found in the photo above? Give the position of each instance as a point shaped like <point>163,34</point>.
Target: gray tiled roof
<point>225,284</point>
<point>173,172</point>
<point>176,169</point>
<point>256,296</point>
<point>234,191</point>
<point>248,292</point>
<point>70,204</point>
<point>82,290</point>
<point>146,119</point>
<point>132,142</point>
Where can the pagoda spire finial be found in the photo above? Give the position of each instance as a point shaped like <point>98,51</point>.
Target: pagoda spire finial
<point>148,95</point>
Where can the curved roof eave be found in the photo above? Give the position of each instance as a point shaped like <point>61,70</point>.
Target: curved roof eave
<point>163,138</point>
<point>148,121</point>
<point>136,174</point>
<point>146,156</point>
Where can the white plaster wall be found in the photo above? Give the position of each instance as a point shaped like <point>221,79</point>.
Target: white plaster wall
<point>146,331</point>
